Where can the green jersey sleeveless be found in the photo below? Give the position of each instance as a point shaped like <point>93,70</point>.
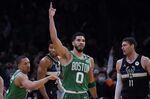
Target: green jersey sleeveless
<point>75,73</point>
<point>15,92</point>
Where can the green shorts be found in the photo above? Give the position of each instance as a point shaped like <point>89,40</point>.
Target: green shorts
<point>76,96</point>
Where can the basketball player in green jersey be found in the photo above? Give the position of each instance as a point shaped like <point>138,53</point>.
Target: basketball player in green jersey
<point>1,87</point>
<point>19,82</point>
<point>77,66</point>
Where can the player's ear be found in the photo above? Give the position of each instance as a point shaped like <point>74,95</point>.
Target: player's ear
<point>132,45</point>
<point>73,43</point>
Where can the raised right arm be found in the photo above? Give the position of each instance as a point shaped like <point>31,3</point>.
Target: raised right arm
<point>60,49</point>
<point>119,81</point>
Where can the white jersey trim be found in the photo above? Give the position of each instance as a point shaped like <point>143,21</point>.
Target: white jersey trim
<point>53,73</point>
<point>134,75</point>
<point>75,92</point>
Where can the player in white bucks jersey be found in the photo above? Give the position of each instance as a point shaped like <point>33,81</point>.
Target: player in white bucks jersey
<point>77,67</point>
<point>132,73</point>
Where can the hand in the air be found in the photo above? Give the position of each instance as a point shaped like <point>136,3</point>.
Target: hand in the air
<point>51,10</point>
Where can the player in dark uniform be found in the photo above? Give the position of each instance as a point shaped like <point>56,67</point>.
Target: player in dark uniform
<point>132,73</point>
<point>49,65</point>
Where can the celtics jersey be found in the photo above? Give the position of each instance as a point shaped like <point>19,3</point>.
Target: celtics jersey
<point>15,92</point>
<point>75,73</point>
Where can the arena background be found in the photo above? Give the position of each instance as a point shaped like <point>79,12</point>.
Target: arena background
<point>24,27</point>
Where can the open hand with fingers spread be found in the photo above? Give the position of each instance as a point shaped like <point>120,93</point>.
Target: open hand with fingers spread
<point>51,10</point>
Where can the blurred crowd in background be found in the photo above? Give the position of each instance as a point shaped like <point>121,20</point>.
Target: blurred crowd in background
<point>24,30</point>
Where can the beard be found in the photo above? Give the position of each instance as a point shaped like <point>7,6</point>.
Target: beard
<point>79,49</point>
<point>53,54</point>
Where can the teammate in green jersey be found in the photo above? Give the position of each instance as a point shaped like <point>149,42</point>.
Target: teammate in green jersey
<point>19,82</point>
<point>77,66</point>
<point>1,87</point>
